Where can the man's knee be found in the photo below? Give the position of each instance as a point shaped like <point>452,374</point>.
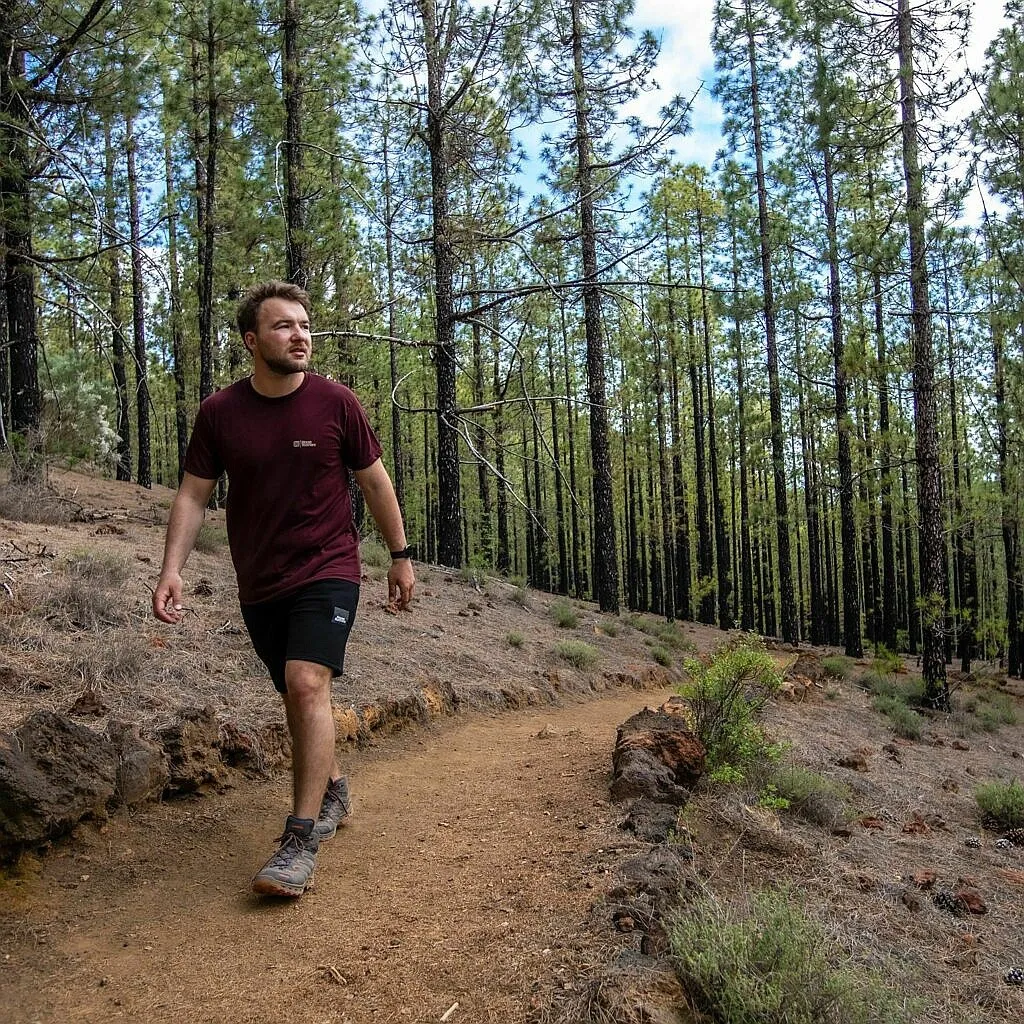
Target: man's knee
<point>307,681</point>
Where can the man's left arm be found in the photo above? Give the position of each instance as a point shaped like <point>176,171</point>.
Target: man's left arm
<point>375,483</point>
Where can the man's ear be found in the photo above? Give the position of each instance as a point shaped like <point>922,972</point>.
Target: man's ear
<point>249,340</point>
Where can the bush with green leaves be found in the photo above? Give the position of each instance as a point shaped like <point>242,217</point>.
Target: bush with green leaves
<point>771,962</point>
<point>726,692</point>
<point>905,722</point>
<point>995,710</point>
<point>809,795</point>
<point>579,654</point>
<point>515,639</point>
<point>887,662</point>
<point>1002,803</point>
<point>212,537</point>
<point>661,656</point>
<point>373,553</point>
<point>838,666</point>
<point>77,403</point>
<point>565,615</point>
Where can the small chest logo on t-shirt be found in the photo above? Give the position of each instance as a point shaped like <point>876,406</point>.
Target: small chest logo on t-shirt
<point>303,444</point>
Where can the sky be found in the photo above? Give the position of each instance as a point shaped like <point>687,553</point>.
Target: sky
<point>684,29</point>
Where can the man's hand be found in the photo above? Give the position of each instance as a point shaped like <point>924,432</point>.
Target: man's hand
<point>167,605</point>
<point>401,582</point>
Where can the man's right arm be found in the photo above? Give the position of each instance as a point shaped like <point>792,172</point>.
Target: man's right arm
<point>186,518</point>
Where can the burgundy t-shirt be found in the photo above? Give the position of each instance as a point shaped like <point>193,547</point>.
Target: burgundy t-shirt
<point>289,516</point>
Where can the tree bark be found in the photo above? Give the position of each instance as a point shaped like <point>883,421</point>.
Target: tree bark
<point>117,341</point>
<point>933,584</point>
<point>778,451</point>
<point>296,242</point>
<point>606,570</point>
<point>143,473</point>
<point>449,535</point>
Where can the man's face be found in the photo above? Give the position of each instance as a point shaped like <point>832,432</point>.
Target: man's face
<point>281,340</point>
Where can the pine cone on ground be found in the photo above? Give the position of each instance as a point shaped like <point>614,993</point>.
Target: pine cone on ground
<point>1016,836</point>
<point>1014,976</point>
<point>973,842</point>
<point>945,900</point>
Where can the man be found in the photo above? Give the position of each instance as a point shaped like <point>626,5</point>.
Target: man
<point>288,440</point>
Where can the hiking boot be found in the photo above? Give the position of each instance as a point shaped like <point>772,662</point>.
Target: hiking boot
<point>290,871</point>
<point>335,808</point>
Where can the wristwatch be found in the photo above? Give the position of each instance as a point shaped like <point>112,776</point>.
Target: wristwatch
<point>406,552</point>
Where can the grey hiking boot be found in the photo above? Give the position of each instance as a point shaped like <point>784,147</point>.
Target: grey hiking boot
<point>290,871</point>
<point>334,810</point>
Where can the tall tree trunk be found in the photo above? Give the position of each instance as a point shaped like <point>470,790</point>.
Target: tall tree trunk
<point>746,557</point>
<point>397,441</point>
<point>19,279</point>
<point>851,599</point>
<point>296,242</point>
<point>664,481</point>
<point>449,538</point>
<point>143,475</point>
<point>680,506</point>
<point>816,624</point>
<point>117,340</point>
<point>177,320</point>
<point>606,570</point>
<point>722,566</point>
<point>890,614</point>
<point>559,482</point>
<point>778,451</point>
<point>206,134</point>
<point>578,565</point>
<point>1008,511</point>
<point>966,595</point>
<point>929,501</point>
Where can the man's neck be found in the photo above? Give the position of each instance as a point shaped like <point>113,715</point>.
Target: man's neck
<point>276,385</point>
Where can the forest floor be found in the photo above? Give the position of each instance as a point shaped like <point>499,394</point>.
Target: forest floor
<point>473,882</point>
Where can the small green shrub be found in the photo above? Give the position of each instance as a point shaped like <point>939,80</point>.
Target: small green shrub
<point>212,537</point>
<point>811,796</point>
<point>515,639</point>
<point>661,656</point>
<point>995,710</point>
<point>838,666</point>
<point>887,662</point>
<point>577,653</point>
<point>905,722</point>
<point>726,692</point>
<point>609,627</point>
<point>774,964</point>
<point>878,684</point>
<point>565,615</point>
<point>1002,802</point>
<point>521,597</point>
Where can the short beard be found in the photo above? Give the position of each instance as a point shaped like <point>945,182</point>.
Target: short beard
<point>286,367</point>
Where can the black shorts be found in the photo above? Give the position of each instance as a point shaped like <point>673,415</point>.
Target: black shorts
<point>309,624</point>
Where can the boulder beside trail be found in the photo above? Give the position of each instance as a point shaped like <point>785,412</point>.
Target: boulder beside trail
<point>657,756</point>
<point>53,773</point>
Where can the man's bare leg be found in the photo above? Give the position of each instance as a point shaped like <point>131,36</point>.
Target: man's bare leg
<point>311,725</point>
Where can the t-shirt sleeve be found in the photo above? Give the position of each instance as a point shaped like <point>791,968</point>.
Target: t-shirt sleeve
<point>201,458</point>
<point>359,445</point>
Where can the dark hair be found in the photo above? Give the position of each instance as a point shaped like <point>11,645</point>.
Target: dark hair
<point>257,294</point>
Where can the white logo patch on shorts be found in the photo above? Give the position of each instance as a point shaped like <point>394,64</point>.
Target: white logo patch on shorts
<point>340,616</point>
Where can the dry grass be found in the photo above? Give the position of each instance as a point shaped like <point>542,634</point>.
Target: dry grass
<point>32,504</point>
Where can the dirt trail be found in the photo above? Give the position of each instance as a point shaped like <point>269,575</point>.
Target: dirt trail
<point>465,876</point>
